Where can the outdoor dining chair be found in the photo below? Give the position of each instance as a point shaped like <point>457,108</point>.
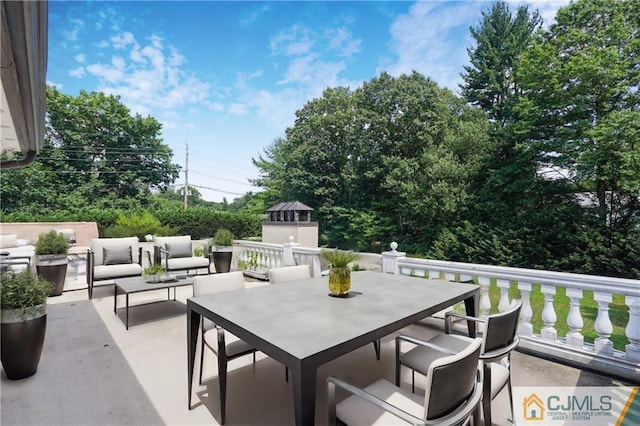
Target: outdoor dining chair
<point>452,395</point>
<point>289,273</point>
<point>499,338</point>
<point>223,344</point>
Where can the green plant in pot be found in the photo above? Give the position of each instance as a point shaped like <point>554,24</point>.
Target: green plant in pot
<point>23,322</point>
<point>51,259</point>
<point>222,250</point>
<point>339,270</point>
<point>153,273</point>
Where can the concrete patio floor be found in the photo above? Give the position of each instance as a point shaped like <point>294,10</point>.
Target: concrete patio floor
<point>94,372</point>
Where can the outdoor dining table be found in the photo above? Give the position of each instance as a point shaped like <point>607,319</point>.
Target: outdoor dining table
<point>302,327</point>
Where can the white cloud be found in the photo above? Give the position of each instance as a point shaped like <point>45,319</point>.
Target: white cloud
<point>238,109</point>
<point>340,40</point>
<point>77,72</point>
<point>121,41</point>
<point>81,57</point>
<point>295,41</point>
<point>72,34</point>
<point>254,15</point>
<point>148,77</point>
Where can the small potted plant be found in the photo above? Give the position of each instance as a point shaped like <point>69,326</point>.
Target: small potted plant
<point>153,273</point>
<point>339,271</point>
<point>222,250</point>
<point>51,259</point>
<point>23,322</point>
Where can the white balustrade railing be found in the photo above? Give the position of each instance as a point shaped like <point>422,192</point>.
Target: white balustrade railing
<point>600,355</point>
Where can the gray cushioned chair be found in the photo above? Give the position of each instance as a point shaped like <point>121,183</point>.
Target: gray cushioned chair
<point>176,254</point>
<point>109,258</point>
<point>223,344</point>
<point>452,395</point>
<point>499,338</point>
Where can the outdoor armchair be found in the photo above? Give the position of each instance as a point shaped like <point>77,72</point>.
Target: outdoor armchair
<point>109,258</point>
<point>499,338</point>
<point>225,345</point>
<point>176,254</point>
<point>452,395</point>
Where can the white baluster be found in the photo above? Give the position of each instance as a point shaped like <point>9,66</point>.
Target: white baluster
<point>633,329</point>
<point>574,319</point>
<point>485,301</point>
<point>503,304</point>
<point>549,317</point>
<point>525,328</point>
<point>603,326</point>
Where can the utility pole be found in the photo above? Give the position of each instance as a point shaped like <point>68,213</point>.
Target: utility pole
<point>186,178</point>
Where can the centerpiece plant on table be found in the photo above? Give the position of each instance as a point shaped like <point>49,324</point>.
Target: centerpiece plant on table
<point>339,270</point>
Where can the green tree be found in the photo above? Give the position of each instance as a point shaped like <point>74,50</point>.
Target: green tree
<point>94,150</point>
<point>580,108</point>
<point>394,157</point>
<point>491,80</point>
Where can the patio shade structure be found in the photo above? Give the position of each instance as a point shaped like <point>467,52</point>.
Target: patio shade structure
<point>23,90</point>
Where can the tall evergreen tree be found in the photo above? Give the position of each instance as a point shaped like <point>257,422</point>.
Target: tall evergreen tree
<point>490,81</point>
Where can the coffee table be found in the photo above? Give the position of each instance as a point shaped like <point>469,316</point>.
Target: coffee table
<point>131,285</point>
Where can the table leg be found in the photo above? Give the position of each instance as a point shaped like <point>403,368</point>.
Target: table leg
<point>193,324</point>
<point>304,393</point>
<point>127,310</point>
<point>471,306</point>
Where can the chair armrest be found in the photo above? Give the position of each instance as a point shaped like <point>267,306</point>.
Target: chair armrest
<point>447,320</point>
<point>500,353</point>
<point>420,342</point>
<point>332,382</point>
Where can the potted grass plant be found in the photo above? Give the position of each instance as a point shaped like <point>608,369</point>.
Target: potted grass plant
<point>222,250</point>
<point>51,259</point>
<point>153,273</point>
<point>23,322</point>
<point>339,270</point>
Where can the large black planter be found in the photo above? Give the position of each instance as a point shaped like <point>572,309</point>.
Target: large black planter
<point>222,260</point>
<point>53,268</point>
<point>22,343</point>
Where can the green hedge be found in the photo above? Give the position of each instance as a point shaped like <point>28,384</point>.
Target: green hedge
<point>199,222</point>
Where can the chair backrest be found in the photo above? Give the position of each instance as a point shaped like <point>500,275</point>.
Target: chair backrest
<point>500,329</point>
<point>451,381</point>
<point>178,246</point>
<point>109,250</point>
<point>217,283</point>
<point>289,273</point>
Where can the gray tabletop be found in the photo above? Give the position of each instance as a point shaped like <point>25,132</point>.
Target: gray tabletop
<point>139,284</point>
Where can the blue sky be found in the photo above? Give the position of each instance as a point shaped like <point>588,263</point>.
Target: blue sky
<point>227,77</point>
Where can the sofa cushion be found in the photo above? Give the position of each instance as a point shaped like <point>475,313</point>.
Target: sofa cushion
<point>188,263</point>
<point>103,272</point>
<point>116,255</point>
<point>8,241</point>
<point>179,249</point>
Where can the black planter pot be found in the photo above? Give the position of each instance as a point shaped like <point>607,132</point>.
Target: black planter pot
<point>22,343</point>
<point>53,268</point>
<point>222,260</point>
